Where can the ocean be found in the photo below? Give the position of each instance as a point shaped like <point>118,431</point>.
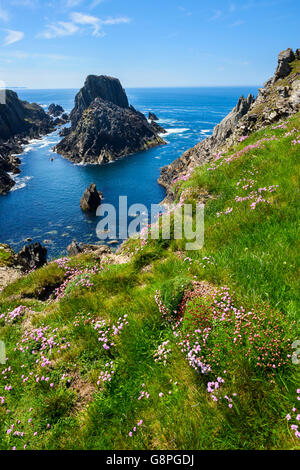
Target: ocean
<point>44,204</point>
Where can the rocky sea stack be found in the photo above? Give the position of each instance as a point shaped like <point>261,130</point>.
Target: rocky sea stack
<point>104,127</point>
<point>91,199</point>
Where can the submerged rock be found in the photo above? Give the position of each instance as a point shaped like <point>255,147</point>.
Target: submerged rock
<point>32,256</point>
<point>91,199</point>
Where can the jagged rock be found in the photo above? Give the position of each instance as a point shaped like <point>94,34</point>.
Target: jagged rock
<point>6,182</point>
<point>277,100</point>
<point>74,248</point>
<point>55,110</point>
<point>65,131</point>
<point>152,117</point>
<point>32,256</point>
<point>91,199</point>
<point>284,60</point>
<point>107,88</point>
<point>104,127</point>
<point>157,128</point>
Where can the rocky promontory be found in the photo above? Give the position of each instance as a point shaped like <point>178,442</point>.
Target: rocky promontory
<point>19,121</point>
<point>104,127</point>
<point>278,99</point>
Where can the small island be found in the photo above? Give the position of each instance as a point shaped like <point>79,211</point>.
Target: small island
<point>104,127</point>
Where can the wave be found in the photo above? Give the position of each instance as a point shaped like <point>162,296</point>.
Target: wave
<point>174,131</point>
<point>21,182</point>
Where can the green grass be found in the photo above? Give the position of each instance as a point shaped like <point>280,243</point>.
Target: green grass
<point>254,252</point>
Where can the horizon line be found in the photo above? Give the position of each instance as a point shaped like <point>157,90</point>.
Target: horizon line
<point>138,87</point>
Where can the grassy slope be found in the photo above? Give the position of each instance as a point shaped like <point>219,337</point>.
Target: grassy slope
<point>254,252</point>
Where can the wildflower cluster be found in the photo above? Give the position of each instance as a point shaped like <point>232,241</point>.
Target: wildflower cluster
<point>74,277</point>
<point>107,375</point>
<point>108,332</point>
<point>11,317</point>
<point>161,354</point>
<point>210,329</point>
<point>135,428</point>
<point>293,418</point>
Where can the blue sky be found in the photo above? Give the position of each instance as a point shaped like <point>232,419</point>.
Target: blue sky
<point>57,43</point>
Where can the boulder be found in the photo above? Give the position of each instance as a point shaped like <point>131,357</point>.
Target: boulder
<point>32,256</point>
<point>91,199</point>
<point>284,60</point>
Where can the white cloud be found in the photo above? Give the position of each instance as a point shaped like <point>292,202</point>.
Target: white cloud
<point>112,21</point>
<point>77,23</point>
<point>3,14</point>
<point>62,28</point>
<point>12,37</point>
<point>83,19</point>
<point>95,3</point>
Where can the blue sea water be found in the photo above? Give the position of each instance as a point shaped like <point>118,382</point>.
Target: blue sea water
<point>44,204</point>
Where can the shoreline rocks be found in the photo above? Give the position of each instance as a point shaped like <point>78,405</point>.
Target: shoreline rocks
<point>32,256</point>
<point>19,121</point>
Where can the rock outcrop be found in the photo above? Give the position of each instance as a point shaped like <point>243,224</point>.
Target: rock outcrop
<point>107,88</point>
<point>279,99</point>
<point>91,199</point>
<point>19,121</point>
<point>152,117</point>
<point>104,127</point>
<point>32,256</point>
<point>55,110</point>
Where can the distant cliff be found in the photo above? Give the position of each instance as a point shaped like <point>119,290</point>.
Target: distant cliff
<point>104,127</point>
<point>19,120</point>
<point>279,98</point>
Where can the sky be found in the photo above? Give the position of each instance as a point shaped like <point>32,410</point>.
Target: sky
<point>145,43</point>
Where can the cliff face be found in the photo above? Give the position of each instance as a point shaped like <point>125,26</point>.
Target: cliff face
<point>104,126</point>
<point>279,98</point>
<point>19,120</point>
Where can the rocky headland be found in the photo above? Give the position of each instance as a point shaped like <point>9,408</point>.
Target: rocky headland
<point>278,99</point>
<point>19,122</point>
<point>104,127</point>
